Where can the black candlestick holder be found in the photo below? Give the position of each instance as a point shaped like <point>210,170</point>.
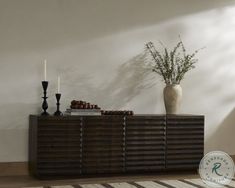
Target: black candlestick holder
<point>58,112</point>
<point>44,104</point>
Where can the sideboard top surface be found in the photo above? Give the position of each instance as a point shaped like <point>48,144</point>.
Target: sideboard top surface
<point>108,116</point>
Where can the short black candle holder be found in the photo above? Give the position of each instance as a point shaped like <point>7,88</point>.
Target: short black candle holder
<point>58,112</point>
<point>44,104</point>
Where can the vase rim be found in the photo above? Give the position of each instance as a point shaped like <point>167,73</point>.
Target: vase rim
<point>171,84</point>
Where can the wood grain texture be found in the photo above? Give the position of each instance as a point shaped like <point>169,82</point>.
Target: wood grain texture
<point>115,144</point>
<point>144,143</point>
<point>184,141</point>
<point>21,169</point>
<point>14,169</point>
<point>102,145</point>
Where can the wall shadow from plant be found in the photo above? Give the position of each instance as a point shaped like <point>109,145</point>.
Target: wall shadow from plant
<point>130,80</point>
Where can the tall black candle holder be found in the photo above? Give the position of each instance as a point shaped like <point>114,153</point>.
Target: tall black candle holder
<point>58,112</point>
<point>44,103</point>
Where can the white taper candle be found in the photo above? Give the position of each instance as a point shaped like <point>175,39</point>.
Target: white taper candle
<point>45,70</point>
<point>58,85</point>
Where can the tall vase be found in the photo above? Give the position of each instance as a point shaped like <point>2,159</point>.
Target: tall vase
<point>172,98</point>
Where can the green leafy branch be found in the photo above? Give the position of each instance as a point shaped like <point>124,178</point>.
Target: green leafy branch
<point>172,65</point>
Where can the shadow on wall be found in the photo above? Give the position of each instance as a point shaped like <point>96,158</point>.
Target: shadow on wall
<point>224,135</point>
<point>132,77</point>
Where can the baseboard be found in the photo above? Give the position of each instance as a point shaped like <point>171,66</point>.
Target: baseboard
<point>14,169</point>
<point>21,168</point>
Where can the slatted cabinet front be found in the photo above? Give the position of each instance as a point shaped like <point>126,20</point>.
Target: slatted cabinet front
<point>58,147</point>
<point>102,145</point>
<point>73,146</point>
<point>185,141</point>
<point>145,143</point>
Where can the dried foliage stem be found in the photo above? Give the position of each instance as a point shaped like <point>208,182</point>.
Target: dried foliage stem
<point>172,65</point>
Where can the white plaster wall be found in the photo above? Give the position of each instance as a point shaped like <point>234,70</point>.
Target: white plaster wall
<point>96,46</point>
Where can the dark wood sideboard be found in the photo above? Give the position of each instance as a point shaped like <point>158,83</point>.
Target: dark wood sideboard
<point>77,146</point>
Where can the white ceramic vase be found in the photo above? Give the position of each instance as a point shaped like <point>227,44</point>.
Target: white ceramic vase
<point>172,98</point>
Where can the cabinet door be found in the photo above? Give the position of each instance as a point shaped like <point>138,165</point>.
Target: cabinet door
<point>102,145</point>
<point>58,147</point>
<point>185,141</point>
<point>145,143</point>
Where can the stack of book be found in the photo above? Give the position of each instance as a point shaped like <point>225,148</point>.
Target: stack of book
<point>83,108</point>
<point>83,105</point>
<point>83,112</point>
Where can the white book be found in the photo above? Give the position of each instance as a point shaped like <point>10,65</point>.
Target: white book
<point>83,113</point>
<point>83,110</point>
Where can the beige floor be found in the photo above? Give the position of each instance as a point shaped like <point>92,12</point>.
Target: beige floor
<point>26,181</point>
